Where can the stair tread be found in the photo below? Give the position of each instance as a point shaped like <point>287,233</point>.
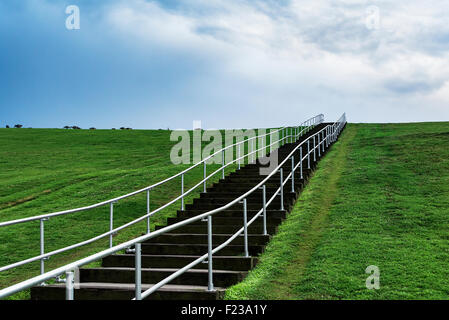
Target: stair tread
<point>180,256</point>
<point>201,271</point>
<point>131,286</point>
<point>190,244</point>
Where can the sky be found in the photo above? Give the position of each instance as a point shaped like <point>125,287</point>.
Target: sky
<point>228,63</point>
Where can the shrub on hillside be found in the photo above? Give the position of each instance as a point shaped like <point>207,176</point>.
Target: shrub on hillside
<point>7,127</point>
<point>18,126</point>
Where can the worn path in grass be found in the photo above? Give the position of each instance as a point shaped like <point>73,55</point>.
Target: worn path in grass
<point>379,197</point>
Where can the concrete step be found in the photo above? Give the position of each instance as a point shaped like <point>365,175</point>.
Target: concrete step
<point>195,277</point>
<point>217,229</point>
<point>245,174</point>
<point>234,221</point>
<point>202,239</point>
<point>234,263</point>
<point>232,213</point>
<point>239,188</point>
<point>248,185</point>
<point>256,202</point>
<point>256,195</point>
<point>255,169</point>
<point>251,206</point>
<point>197,249</point>
<point>125,291</point>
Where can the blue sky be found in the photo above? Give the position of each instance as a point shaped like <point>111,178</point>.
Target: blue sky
<point>228,63</point>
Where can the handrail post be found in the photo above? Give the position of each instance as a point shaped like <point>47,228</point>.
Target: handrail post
<point>264,144</point>
<point>138,271</point>
<point>264,202</point>
<point>148,211</point>
<point>314,149</point>
<point>42,245</point>
<point>325,135</point>
<point>182,192</point>
<point>271,142</point>
<point>293,174</point>
<point>245,228</point>
<point>308,153</point>
<point>205,175</point>
<point>69,278</point>
<point>323,141</point>
<point>238,155</point>
<point>222,164</point>
<point>300,160</point>
<point>252,150</point>
<point>210,283</point>
<point>282,189</point>
<point>319,145</point>
<point>111,222</point>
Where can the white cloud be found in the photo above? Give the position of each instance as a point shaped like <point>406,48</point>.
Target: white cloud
<point>278,55</point>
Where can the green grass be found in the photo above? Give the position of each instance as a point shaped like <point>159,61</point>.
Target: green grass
<point>48,170</point>
<point>379,197</point>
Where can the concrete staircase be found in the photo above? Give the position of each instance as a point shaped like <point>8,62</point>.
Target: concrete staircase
<point>163,255</point>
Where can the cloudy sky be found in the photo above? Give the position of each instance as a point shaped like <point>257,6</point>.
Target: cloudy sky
<point>228,63</point>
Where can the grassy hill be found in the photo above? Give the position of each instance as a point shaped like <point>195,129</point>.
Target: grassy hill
<point>380,197</point>
<point>47,170</point>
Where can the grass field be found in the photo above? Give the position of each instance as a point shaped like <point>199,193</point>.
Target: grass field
<point>380,197</point>
<point>47,170</point>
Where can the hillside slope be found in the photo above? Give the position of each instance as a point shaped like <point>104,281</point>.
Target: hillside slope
<point>380,197</point>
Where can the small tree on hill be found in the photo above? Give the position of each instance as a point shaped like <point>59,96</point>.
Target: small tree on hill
<point>18,126</point>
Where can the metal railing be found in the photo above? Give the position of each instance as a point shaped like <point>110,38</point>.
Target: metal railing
<point>293,135</point>
<point>321,141</point>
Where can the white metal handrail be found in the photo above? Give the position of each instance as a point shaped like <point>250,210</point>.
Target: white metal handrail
<point>301,129</point>
<point>325,137</point>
